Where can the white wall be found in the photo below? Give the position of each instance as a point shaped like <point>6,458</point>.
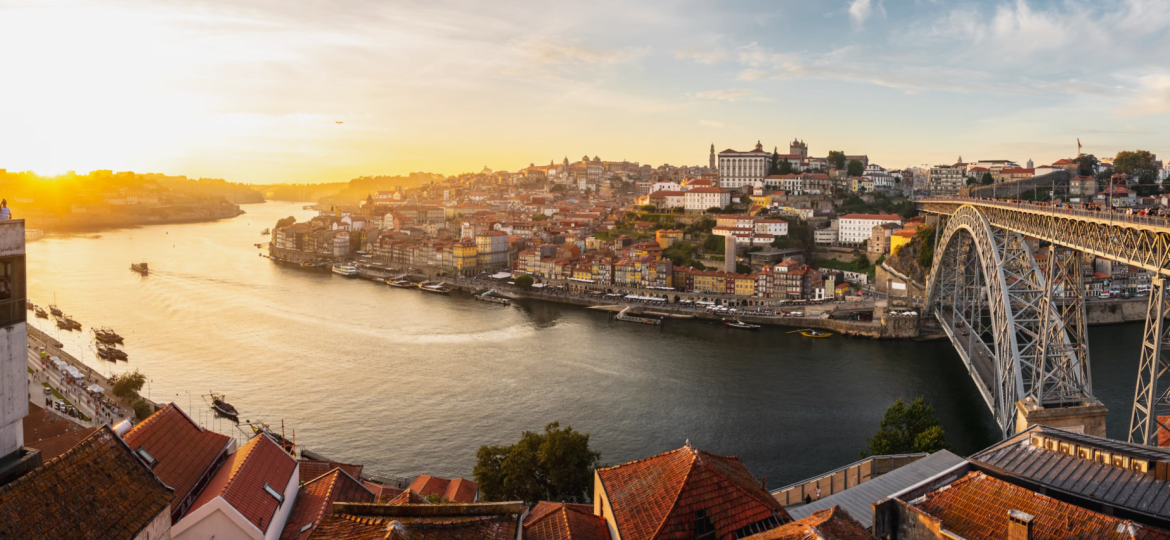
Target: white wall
<point>217,521</point>
<point>290,498</point>
<point>159,528</point>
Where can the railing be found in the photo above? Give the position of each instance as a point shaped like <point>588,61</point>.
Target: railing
<point>1063,210</point>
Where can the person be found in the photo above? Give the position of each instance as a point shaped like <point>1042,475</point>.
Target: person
<point>818,493</point>
<point>5,213</point>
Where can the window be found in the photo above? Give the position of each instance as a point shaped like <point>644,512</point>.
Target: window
<point>704,529</point>
<point>275,494</point>
<point>12,308</point>
<point>146,457</point>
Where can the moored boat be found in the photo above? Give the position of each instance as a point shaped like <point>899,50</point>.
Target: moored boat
<point>400,283</point>
<point>62,323</point>
<point>55,310</point>
<point>260,428</point>
<point>28,305</point>
<point>73,324</point>
<point>111,353</point>
<point>434,288</point>
<point>742,325</point>
<point>141,268</point>
<point>815,333</point>
<point>347,270</point>
<point>265,231</point>
<point>223,407</point>
<point>40,312</point>
<point>106,335</point>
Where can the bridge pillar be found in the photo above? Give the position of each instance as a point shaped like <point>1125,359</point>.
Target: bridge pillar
<point>1086,416</point>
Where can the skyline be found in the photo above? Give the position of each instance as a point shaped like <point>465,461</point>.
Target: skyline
<point>250,92</point>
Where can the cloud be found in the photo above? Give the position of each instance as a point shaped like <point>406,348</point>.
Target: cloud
<point>711,124</point>
<point>1152,96</point>
<point>859,11</point>
<point>556,52</point>
<point>700,55</point>
<point>732,94</point>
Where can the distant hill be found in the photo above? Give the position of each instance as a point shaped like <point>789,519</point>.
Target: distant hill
<point>347,193</point>
<point>210,187</point>
<point>299,192</point>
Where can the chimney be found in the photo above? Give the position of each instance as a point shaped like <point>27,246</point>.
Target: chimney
<point>1019,525</point>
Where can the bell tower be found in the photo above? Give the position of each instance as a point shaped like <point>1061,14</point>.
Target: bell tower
<point>712,165</point>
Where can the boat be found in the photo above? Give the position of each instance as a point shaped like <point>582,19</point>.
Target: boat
<point>41,312</point>
<point>110,352</point>
<point>63,324</point>
<point>55,310</point>
<point>264,232</point>
<point>814,333</point>
<point>106,335</point>
<point>223,407</point>
<point>624,315</point>
<point>28,305</point>
<point>400,283</point>
<point>742,325</point>
<point>260,428</point>
<point>435,288</point>
<point>141,268</point>
<point>73,325</point>
<point>347,270</point>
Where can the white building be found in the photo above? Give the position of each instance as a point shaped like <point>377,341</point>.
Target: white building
<point>946,179</point>
<point>700,199</point>
<point>13,350</point>
<point>738,169</point>
<point>857,228</point>
<point>774,227</point>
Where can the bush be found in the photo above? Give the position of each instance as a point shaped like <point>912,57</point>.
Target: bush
<point>556,465</point>
<point>714,244</point>
<point>907,429</point>
<point>128,385</point>
<point>525,282</point>
<point>284,222</point>
<point>142,409</point>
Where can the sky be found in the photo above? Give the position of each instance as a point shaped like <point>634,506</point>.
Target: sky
<point>252,90</point>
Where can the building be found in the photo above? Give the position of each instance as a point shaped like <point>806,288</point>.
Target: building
<point>738,169</point>
<point>945,180</point>
<point>456,491</point>
<point>315,500</point>
<point>15,460</point>
<point>1083,187</point>
<point>562,521</point>
<point>826,237</point>
<point>410,516</point>
<point>97,489</point>
<point>492,250</point>
<point>901,238</point>
<point>774,227</point>
<point>857,228</point>
<point>698,200</point>
<point>668,237</point>
<point>250,497</point>
<point>675,495</point>
<point>879,240</point>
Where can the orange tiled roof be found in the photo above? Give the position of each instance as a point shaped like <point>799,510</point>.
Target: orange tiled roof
<point>98,489</point>
<point>563,521</point>
<point>458,490</point>
<point>311,469</point>
<point>460,522</point>
<point>183,450</point>
<point>315,501</point>
<point>657,497</point>
<point>241,478</point>
<point>976,508</point>
<point>828,524</point>
<point>51,433</point>
<point>409,496</point>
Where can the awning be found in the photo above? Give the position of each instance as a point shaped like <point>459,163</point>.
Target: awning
<point>73,372</point>
<point>95,389</point>
<point>502,275</point>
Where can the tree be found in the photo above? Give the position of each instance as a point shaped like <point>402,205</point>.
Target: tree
<point>1133,163</point>
<point>862,262</point>
<point>971,181</point>
<point>649,208</point>
<point>987,179</point>
<point>774,166</point>
<point>556,465</point>
<point>714,210</point>
<point>714,244</point>
<point>741,268</point>
<point>142,409</point>
<point>836,159</point>
<point>785,167</point>
<point>524,282</point>
<point>678,210</point>
<point>1086,164</point>
<point>539,217</point>
<point>285,222</point>
<point>907,429</point>
<point>128,385</point>
<point>925,235</point>
<point>558,189</point>
<point>855,168</point>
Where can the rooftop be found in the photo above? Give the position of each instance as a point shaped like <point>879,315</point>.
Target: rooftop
<point>315,501</point>
<point>242,477</point>
<point>828,524</point>
<point>563,521</point>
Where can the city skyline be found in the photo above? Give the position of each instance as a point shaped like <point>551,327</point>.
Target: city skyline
<point>252,92</point>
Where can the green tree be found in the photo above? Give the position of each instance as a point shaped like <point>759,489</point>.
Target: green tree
<point>907,429</point>
<point>987,179</point>
<point>556,465</point>
<point>714,210</point>
<point>678,210</point>
<point>925,235</point>
<point>836,159</point>
<point>714,244</point>
<point>284,222</point>
<point>862,262</point>
<point>1133,162</point>
<point>524,282</point>
<point>649,208</point>
<point>855,168</point>
<point>785,167</point>
<point>558,189</point>
<point>971,181</point>
<point>128,384</point>
<point>142,409</point>
<point>1086,164</point>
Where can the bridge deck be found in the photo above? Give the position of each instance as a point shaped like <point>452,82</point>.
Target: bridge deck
<point>1152,223</point>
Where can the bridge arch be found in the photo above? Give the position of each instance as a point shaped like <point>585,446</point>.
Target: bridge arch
<point>991,297</point>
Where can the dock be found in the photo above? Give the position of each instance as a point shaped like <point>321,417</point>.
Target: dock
<point>625,316</point>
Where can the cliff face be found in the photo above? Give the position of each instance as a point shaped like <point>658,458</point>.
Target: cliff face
<point>906,261</point>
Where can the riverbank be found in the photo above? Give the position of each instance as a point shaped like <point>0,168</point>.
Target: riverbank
<point>97,221</point>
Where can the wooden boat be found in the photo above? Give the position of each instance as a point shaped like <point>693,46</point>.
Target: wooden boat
<point>111,353</point>
<point>141,268</point>
<point>55,310</point>
<point>73,324</point>
<point>28,305</point>
<point>40,312</point>
<point>63,324</point>
<point>437,289</point>
<point>260,428</point>
<point>223,407</point>
<point>814,333</point>
<point>400,283</point>
<point>106,335</point>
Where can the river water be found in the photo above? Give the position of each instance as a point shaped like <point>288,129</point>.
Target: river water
<point>408,383</point>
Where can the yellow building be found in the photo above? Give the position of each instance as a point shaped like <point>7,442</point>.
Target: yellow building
<point>668,237</point>
<point>745,285</point>
<point>899,239</point>
<point>464,255</point>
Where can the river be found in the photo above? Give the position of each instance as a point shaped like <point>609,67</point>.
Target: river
<point>409,383</point>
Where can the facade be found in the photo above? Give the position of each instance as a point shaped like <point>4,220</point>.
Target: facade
<point>13,352</point>
<point>698,200</point>
<point>492,250</point>
<point>945,180</point>
<point>857,228</point>
<point>739,169</point>
<point>1082,187</point>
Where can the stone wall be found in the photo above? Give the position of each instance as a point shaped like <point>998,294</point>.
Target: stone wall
<point>294,256</point>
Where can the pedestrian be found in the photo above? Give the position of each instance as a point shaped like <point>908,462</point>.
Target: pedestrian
<point>818,493</point>
<point>5,213</point>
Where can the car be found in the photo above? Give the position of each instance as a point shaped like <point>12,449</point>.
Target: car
<point>958,324</point>
<point>48,391</point>
<point>964,333</point>
<point>1103,296</point>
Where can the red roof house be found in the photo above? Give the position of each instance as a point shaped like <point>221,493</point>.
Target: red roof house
<point>253,492</point>
<point>828,524</point>
<point>315,501</point>
<point>458,490</point>
<point>310,469</point>
<point>684,493</point>
<point>182,454</point>
<point>564,521</point>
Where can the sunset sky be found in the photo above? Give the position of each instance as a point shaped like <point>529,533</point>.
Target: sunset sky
<point>249,90</point>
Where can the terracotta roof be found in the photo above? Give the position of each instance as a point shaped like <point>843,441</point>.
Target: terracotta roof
<point>315,501</point>
<point>382,493</point>
<point>98,489</point>
<point>311,468</point>
<point>976,508</point>
<point>828,524</point>
<point>51,433</point>
<point>241,478</point>
<point>182,450</point>
<point>658,497</point>
<point>563,521</point>
<point>409,496</point>
<point>440,522</point>
<point>458,490</point>
<point>708,190</point>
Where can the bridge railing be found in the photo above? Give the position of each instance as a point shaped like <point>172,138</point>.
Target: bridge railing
<point>1060,210</point>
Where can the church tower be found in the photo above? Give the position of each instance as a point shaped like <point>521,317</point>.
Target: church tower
<point>712,165</point>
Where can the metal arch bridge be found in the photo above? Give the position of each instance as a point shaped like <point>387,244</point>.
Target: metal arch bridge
<point>1022,335</point>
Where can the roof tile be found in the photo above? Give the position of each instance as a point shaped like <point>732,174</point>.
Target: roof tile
<point>241,478</point>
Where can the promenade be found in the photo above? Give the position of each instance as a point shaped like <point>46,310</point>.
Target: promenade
<point>100,407</point>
